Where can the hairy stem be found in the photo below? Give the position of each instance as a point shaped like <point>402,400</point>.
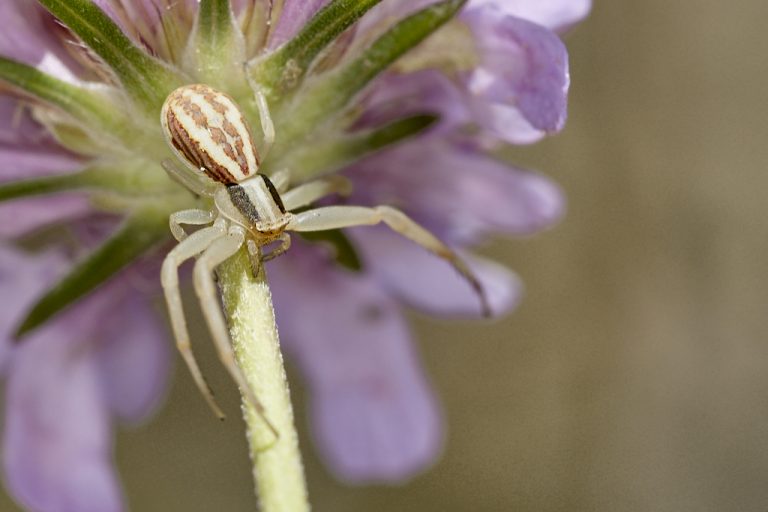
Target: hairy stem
<point>277,465</point>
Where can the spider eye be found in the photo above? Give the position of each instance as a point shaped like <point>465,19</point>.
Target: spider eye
<point>207,129</point>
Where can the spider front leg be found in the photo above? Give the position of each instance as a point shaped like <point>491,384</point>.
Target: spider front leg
<point>310,192</point>
<point>281,179</point>
<point>190,247</point>
<point>334,217</point>
<point>219,251</point>
<point>191,217</point>
<point>265,118</point>
<point>285,244</point>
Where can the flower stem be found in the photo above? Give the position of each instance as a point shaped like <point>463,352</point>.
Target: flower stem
<point>277,466</point>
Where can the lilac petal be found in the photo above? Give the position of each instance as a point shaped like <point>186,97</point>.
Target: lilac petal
<point>458,193</point>
<point>557,15</point>
<point>429,283</point>
<point>26,148</point>
<point>295,14</point>
<point>133,357</point>
<point>394,96</point>
<point>23,277</point>
<point>23,216</point>
<point>145,16</point>
<point>375,418</point>
<point>57,439</point>
<point>30,35</point>
<point>524,67</point>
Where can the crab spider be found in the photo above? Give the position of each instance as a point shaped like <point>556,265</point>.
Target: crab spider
<point>208,133</point>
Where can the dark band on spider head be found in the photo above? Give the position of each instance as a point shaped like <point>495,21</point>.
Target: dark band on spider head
<point>242,202</point>
<point>273,192</point>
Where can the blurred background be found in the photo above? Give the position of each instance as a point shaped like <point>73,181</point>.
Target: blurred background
<point>634,376</point>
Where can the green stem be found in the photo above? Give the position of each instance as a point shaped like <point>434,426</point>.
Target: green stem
<point>277,465</point>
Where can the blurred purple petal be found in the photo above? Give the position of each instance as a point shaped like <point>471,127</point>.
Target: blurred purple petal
<point>31,35</point>
<point>524,67</point>
<point>23,216</point>
<point>57,439</point>
<point>422,280</point>
<point>134,357</point>
<point>27,149</point>
<point>556,15</point>
<point>23,277</point>
<point>457,192</point>
<point>295,14</point>
<point>374,415</point>
<point>429,91</point>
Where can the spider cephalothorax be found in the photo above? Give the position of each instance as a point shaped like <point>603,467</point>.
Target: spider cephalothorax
<point>210,136</point>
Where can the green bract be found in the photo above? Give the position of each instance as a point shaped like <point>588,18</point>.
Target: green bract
<point>115,124</point>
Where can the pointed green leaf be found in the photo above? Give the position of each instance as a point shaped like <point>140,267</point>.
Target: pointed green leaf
<point>282,70</point>
<point>83,104</point>
<point>332,93</point>
<point>145,78</point>
<point>339,151</point>
<point>216,49</point>
<point>137,234</point>
<point>126,177</point>
<point>39,186</point>
<point>214,23</point>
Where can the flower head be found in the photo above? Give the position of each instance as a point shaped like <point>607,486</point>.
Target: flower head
<point>404,102</point>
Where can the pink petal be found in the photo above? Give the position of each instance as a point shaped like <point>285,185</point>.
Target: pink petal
<point>457,192</point>
<point>26,148</point>
<point>556,15</point>
<point>142,20</point>
<point>57,439</point>
<point>524,68</point>
<point>394,96</point>
<point>429,283</point>
<point>375,417</point>
<point>23,277</point>
<point>295,14</point>
<point>30,35</point>
<point>133,357</point>
<point>23,216</point>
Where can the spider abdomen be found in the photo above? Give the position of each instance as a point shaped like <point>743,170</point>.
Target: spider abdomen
<point>206,128</point>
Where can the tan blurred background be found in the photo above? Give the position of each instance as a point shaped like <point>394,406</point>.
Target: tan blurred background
<point>634,377</point>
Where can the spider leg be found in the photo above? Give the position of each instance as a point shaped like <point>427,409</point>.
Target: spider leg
<point>219,251</point>
<point>285,244</point>
<point>196,243</point>
<point>281,180</point>
<point>334,217</point>
<point>265,118</point>
<point>310,192</point>
<point>254,256</point>
<point>197,183</point>
<point>193,217</point>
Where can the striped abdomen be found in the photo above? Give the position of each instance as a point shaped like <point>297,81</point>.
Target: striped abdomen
<point>207,129</point>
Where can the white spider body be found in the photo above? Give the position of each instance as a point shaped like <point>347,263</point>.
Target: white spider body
<point>208,133</point>
<point>207,130</point>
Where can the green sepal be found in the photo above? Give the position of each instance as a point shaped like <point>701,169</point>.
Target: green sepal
<point>86,105</point>
<point>39,186</point>
<point>282,70</point>
<point>331,93</point>
<point>345,253</point>
<point>339,151</point>
<point>137,234</point>
<point>146,79</point>
<point>214,23</point>
<point>127,178</point>
<point>216,49</point>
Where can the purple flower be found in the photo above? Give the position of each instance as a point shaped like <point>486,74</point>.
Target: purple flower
<point>375,417</point>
